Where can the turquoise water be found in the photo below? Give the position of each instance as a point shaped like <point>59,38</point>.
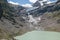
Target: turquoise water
<point>39,35</point>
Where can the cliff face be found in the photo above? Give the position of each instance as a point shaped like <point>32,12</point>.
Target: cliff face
<point>11,22</point>
<point>36,4</point>
<point>3,1</point>
<point>2,6</point>
<point>58,1</point>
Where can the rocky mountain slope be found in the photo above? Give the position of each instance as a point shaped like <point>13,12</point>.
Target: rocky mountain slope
<point>11,22</point>
<point>50,21</point>
<point>16,20</point>
<point>50,17</point>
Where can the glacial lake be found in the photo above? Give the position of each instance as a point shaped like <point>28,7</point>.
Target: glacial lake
<point>39,35</point>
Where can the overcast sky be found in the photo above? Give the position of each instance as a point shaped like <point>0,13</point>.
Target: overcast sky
<point>25,2</point>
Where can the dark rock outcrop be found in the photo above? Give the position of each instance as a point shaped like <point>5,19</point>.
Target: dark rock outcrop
<point>1,11</point>
<point>36,4</point>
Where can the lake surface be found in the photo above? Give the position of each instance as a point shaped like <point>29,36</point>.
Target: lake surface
<point>39,35</point>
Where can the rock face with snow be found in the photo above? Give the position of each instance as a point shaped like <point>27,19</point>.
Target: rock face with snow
<point>36,4</point>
